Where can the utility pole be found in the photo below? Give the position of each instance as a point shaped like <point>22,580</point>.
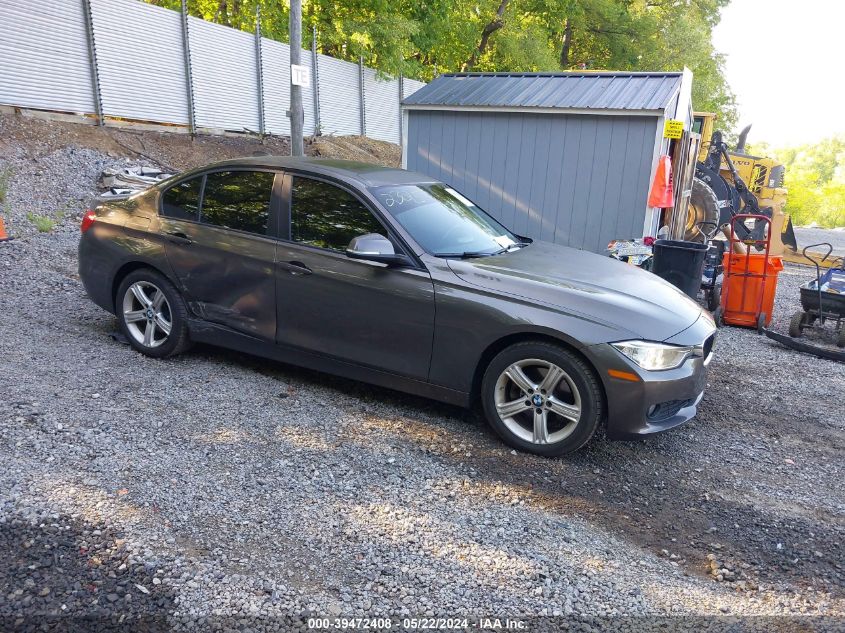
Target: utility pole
<point>297,114</point>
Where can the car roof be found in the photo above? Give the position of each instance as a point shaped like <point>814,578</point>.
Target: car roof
<point>365,174</point>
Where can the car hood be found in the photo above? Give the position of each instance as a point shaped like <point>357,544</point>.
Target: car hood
<point>584,284</point>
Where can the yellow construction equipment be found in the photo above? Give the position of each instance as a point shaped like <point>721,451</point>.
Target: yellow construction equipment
<point>728,182</point>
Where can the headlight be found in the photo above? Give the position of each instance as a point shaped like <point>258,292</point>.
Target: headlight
<point>656,356</point>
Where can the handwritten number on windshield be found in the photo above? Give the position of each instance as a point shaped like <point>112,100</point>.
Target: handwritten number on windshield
<point>396,198</point>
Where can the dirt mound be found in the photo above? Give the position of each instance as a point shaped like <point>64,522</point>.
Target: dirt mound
<point>356,148</point>
<point>25,136</point>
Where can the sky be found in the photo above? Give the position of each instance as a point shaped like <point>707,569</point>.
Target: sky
<point>786,65</point>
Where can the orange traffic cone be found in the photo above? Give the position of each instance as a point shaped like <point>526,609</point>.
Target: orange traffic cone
<point>4,237</point>
<point>662,194</point>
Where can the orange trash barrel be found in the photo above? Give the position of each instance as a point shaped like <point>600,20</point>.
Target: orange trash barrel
<point>741,288</point>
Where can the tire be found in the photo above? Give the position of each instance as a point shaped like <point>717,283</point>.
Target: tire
<point>714,298</point>
<point>702,213</point>
<point>575,392</point>
<point>133,311</point>
<point>796,324</point>
<point>840,340</point>
<point>717,317</point>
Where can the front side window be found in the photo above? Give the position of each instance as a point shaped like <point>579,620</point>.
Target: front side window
<point>443,222</point>
<point>326,216</point>
<point>238,200</point>
<point>182,201</point>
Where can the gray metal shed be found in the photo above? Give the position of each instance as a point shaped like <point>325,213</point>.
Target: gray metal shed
<point>562,157</point>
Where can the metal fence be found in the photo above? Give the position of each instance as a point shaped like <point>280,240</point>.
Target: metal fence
<point>130,60</point>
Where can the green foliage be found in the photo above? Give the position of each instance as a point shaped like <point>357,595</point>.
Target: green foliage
<point>239,14</point>
<point>380,31</point>
<point>683,39</point>
<point>5,176</point>
<point>46,223</point>
<point>815,178</point>
<point>421,38</point>
<point>43,223</point>
<point>523,50</point>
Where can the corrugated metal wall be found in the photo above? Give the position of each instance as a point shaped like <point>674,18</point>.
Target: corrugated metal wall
<point>44,61</point>
<point>410,86</point>
<point>142,69</point>
<point>576,180</point>
<point>224,67</point>
<point>340,96</point>
<point>381,107</point>
<point>275,58</point>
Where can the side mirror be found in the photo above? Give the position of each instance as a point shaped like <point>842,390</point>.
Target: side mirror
<point>375,248</point>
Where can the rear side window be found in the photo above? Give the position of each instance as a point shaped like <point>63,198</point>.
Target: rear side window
<point>238,200</point>
<point>182,201</point>
<point>326,216</point>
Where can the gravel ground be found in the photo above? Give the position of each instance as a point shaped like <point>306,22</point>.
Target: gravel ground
<point>217,488</point>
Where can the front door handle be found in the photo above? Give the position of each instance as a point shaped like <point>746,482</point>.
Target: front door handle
<point>295,268</point>
<point>177,237</point>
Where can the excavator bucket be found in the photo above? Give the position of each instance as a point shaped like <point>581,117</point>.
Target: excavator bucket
<point>787,236</point>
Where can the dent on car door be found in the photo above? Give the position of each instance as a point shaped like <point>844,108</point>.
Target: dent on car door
<point>219,244</point>
<point>358,311</point>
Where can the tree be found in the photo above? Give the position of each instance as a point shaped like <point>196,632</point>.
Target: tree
<point>815,178</point>
<point>683,38</point>
<point>496,23</point>
<point>380,31</point>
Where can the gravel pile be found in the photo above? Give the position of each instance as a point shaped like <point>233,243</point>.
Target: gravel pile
<point>219,488</point>
<point>58,185</point>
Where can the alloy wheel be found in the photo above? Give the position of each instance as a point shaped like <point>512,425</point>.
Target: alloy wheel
<point>537,401</point>
<point>147,314</point>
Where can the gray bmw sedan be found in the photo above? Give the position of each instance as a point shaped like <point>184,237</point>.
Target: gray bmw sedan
<point>389,277</point>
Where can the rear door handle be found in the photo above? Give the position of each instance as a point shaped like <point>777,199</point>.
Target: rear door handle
<point>177,237</point>
<point>295,268</point>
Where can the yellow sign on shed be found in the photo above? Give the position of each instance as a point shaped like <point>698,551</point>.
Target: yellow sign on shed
<point>673,129</point>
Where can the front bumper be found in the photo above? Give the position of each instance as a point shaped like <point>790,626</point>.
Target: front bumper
<point>659,400</point>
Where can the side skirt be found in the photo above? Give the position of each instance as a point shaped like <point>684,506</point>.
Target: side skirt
<point>221,336</point>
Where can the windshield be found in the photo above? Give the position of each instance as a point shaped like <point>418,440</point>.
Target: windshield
<point>443,222</point>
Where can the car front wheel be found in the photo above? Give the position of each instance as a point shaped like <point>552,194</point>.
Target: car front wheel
<point>152,314</point>
<point>541,398</point>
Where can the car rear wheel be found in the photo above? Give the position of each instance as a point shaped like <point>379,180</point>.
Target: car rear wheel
<point>152,314</point>
<point>541,398</point>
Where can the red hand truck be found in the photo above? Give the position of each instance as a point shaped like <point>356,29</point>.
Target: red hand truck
<point>750,278</point>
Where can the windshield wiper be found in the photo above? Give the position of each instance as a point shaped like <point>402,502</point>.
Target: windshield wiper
<point>474,254</point>
<point>513,247</point>
<point>465,255</point>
